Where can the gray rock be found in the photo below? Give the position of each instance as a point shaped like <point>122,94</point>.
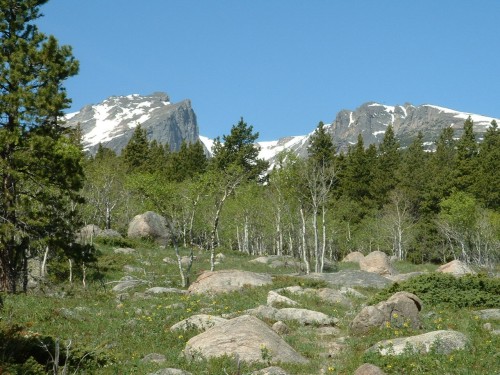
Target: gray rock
<point>109,233</point>
<point>125,283</point>
<point>280,328</point>
<point>274,298</point>
<point>154,358</point>
<point>86,234</point>
<point>201,322</point>
<point>149,225</point>
<point>353,257</point>
<point>400,309</point>
<point>443,342</point>
<point>273,370</point>
<point>246,337</point>
<point>170,371</point>
<point>350,292</point>
<point>132,269</point>
<point>368,369</point>
<point>305,317</point>
<point>165,122</point>
<point>352,278</point>
<point>124,250</point>
<point>376,262</point>
<point>332,296</point>
<point>227,281</point>
<point>456,268</point>
<point>263,312</point>
<point>487,314</point>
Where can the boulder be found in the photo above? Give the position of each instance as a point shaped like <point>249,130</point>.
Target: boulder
<point>352,278</point>
<point>124,250</point>
<point>149,225</point>
<point>332,296</point>
<point>273,370</point>
<point>154,358</point>
<point>170,371</point>
<point>157,290</point>
<point>368,369</point>
<point>401,309</point>
<point>280,328</point>
<point>109,233</point>
<point>86,234</point>
<point>456,268</point>
<point>444,342</point>
<point>263,312</point>
<point>274,298</point>
<point>487,314</point>
<point>305,317</point>
<point>376,262</point>
<point>201,322</point>
<point>354,257</point>
<point>125,283</point>
<point>247,338</point>
<point>227,281</point>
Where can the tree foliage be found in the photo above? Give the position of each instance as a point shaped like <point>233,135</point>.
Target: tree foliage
<point>40,164</point>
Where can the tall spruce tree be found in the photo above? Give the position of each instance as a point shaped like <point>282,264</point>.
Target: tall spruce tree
<point>40,165</point>
<point>136,152</point>
<point>467,152</point>
<point>388,161</point>
<point>321,149</point>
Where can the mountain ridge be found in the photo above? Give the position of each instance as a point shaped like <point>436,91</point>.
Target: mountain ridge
<point>113,121</point>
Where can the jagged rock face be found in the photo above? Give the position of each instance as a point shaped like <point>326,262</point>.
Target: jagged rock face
<point>372,119</point>
<point>113,121</point>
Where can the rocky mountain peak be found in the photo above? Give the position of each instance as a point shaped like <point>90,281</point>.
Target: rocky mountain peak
<point>112,122</point>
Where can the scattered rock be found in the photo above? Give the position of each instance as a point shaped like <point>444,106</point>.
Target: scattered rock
<point>350,292</point>
<point>170,371</point>
<point>263,312</point>
<point>132,269</point>
<point>352,278</point>
<point>400,309</point>
<point>154,358</point>
<point>273,370</point>
<point>86,234</point>
<point>109,233</point>
<point>124,250</point>
<point>305,317</point>
<point>403,276</point>
<point>246,337</point>
<point>368,369</point>
<point>280,328</point>
<point>444,342</point>
<point>489,314</point>
<point>125,283</point>
<point>220,257</point>
<point>332,296</point>
<point>149,225</point>
<point>227,281</point>
<point>376,262</point>
<point>327,331</point>
<point>201,322</point>
<point>456,268</point>
<point>274,298</point>
<point>354,257</point>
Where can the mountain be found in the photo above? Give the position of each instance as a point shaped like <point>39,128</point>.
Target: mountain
<point>113,121</point>
<point>371,121</point>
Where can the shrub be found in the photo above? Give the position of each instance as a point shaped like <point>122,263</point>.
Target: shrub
<point>478,291</point>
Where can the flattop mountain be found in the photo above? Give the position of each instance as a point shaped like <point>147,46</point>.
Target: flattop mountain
<point>113,121</point>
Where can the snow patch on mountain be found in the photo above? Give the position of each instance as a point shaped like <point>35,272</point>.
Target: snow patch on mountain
<point>477,119</point>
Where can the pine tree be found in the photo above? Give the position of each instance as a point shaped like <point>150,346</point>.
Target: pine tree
<point>136,152</point>
<point>238,150</point>
<point>388,161</point>
<point>40,165</point>
<point>321,149</point>
<point>467,151</point>
<point>487,184</point>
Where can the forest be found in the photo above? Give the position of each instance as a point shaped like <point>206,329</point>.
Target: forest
<point>412,204</point>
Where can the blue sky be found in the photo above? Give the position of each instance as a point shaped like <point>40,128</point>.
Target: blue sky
<point>284,65</point>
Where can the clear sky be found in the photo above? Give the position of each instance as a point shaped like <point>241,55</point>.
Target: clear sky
<point>284,65</point>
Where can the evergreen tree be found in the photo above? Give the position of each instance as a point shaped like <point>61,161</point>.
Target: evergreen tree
<point>487,183</point>
<point>238,150</point>
<point>467,151</point>
<point>321,149</point>
<point>136,152</point>
<point>40,166</point>
<point>388,161</point>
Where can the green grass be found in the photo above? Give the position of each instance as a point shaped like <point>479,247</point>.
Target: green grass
<point>111,336</point>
